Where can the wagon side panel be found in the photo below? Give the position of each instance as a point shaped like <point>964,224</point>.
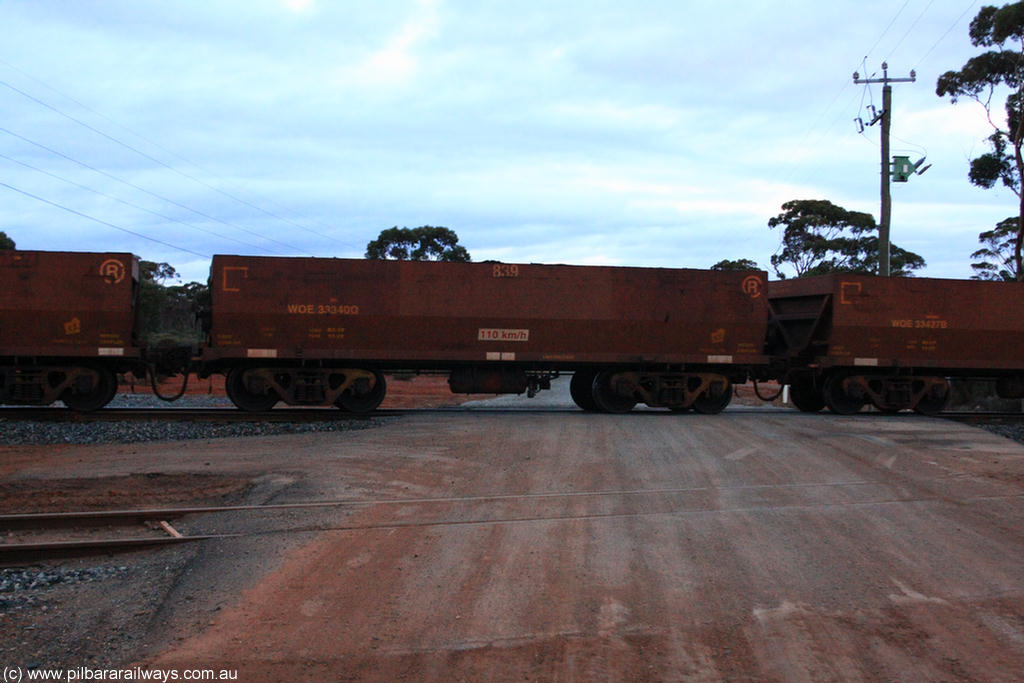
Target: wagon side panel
<point>62,304</point>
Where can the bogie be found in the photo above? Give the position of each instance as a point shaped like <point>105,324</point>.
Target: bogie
<point>354,390</point>
<point>84,388</point>
<point>581,389</point>
<point>363,395</point>
<point>806,395</point>
<point>714,398</point>
<point>613,392</point>
<point>247,393</point>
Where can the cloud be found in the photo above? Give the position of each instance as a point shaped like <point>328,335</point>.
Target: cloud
<point>398,60</point>
<point>299,6</point>
<point>965,120</point>
<point>658,133</point>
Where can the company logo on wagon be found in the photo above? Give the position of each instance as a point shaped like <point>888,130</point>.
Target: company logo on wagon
<point>112,271</point>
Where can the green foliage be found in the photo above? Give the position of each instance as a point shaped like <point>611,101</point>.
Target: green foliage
<point>152,272</point>
<point>167,315</point>
<point>1002,66</point>
<point>5,241</point>
<point>426,243</point>
<point>819,237</point>
<point>739,264</point>
<point>994,167</point>
<point>996,254</point>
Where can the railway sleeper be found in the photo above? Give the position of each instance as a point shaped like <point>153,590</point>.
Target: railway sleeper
<point>705,392</point>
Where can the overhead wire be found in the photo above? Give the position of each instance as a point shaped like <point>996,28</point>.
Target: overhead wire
<point>155,160</point>
<point>912,26</point>
<point>903,38</point>
<point>150,141</point>
<point>131,204</point>
<point>101,221</point>
<point>144,190</point>
<point>867,90</point>
<point>847,84</point>
<point>931,49</point>
<point>948,31</point>
<point>886,31</point>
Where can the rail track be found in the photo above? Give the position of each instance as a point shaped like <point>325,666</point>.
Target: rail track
<point>986,417</point>
<point>115,531</point>
<point>230,414</point>
<point>186,414</point>
<point>96,532</point>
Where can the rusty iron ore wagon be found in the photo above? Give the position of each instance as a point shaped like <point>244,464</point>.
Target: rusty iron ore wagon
<point>323,331</point>
<point>851,340</point>
<point>313,331</point>
<point>67,326</point>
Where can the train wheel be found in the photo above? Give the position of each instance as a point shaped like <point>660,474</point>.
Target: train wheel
<point>714,400</point>
<point>91,391</point>
<point>934,402</point>
<point>605,397</point>
<point>243,398</point>
<point>838,397</point>
<point>363,397</point>
<point>581,388</point>
<point>805,396</point>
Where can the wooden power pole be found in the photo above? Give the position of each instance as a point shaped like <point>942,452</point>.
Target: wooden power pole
<point>886,118</point>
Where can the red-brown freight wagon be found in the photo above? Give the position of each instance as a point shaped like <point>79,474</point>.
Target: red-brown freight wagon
<point>850,340</point>
<point>67,326</point>
<point>322,331</point>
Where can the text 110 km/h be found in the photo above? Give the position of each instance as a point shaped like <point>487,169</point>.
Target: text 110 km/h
<point>504,335</point>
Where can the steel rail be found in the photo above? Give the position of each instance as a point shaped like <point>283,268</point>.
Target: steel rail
<point>68,548</point>
<point>973,418</point>
<point>14,554</point>
<point>226,414</point>
<point>21,552</point>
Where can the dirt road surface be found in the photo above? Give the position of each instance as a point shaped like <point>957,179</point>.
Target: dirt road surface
<point>757,545</point>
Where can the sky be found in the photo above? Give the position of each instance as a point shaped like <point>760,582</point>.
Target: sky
<point>641,133</point>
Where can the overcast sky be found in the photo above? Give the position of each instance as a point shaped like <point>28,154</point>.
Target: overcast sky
<point>616,133</point>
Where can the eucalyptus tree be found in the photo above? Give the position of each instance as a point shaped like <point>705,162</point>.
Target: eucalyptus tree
<point>997,70</point>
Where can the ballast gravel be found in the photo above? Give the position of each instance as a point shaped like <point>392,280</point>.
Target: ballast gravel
<point>27,581</point>
<point>1010,431</point>
<point>33,432</point>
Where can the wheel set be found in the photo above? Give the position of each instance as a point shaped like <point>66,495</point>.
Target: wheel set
<point>617,392</point>
<point>257,390</point>
<point>845,393</point>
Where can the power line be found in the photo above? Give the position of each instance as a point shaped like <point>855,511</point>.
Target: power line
<point>142,189</point>
<point>846,83</point>
<point>948,30</point>
<point>162,163</point>
<point>128,130</point>
<point>131,204</point>
<point>891,22</point>
<point>102,222</point>
<point>919,17</point>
